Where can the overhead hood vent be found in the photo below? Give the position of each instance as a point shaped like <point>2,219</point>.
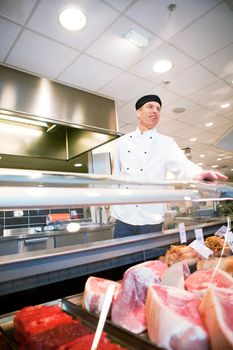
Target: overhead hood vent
<point>46,120</point>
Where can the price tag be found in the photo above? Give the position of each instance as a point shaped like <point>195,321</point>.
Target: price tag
<point>183,238</point>
<point>201,249</point>
<point>221,231</point>
<point>229,239</point>
<point>199,235</point>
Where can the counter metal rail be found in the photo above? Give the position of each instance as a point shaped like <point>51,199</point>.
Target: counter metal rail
<point>59,190</point>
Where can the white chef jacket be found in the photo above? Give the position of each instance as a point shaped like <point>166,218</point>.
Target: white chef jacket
<point>148,155</point>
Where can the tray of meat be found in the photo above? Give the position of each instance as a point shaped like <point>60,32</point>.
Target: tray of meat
<point>62,325</point>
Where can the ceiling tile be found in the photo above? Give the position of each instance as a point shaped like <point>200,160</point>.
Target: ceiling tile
<point>199,117</point>
<point>35,53</point>
<point>17,10</point>
<point>189,106</point>
<point>127,87</point>
<point>165,95</point>
<point>210,33</point>
<point>127,128</point>
<point>99,17</point>
<point>208,95</point>
<point>229,79</point>
<point>172,127</point>
<point>164,23</point>
<point>89,73</point>
<point>221,63</point>
<point>127,114</point>
<point>145,67</point>
<point>120,5</point>
<point>191,79</point>
<point>112,47</point>
<point>8,34</point>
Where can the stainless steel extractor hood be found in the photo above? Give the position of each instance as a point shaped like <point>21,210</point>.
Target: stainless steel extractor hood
<point>74,122</point>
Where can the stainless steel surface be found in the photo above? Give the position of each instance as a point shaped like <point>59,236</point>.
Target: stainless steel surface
<point>82,121</point>
<point>41,98</point>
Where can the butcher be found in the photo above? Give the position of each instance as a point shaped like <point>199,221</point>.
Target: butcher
<point>149,155</point>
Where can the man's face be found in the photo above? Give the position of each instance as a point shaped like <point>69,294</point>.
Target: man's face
<point>148,115</point>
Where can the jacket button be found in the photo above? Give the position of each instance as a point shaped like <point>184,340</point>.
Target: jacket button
<point>150,137</point>
<point>128,151</point>
<point>145,152</point>
<point>141,169</point>
<point>127,168</point>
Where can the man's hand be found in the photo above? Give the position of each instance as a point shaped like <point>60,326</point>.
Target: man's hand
<point>210,175</point>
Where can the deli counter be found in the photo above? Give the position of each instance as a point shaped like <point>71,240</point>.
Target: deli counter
<point>30,259</point>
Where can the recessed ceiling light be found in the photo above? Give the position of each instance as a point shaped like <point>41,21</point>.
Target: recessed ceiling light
<point>136,38</point>
<point>199,164</point>
<point>214,166</point>
<point>179,110</point>
<point>219,159</point>
<point>78,165</point>
<point>72,18</point>
<point>162,66</point>
<point>209,124</point>
<point>193,139</point>
<point>202,155</point>
<point>225,105</point>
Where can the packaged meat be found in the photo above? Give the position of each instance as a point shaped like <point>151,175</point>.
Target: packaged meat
<point>217,312</point>
<point>200,280</point>
<point>94,293</point>
<point>178,253</point>
<point>128,309</point>
<point>173,319</point>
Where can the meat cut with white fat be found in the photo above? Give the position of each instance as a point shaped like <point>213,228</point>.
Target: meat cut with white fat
<point>173,319</point>
<point>217,313</point>
<point>128,310</point>
<point>175,275</point>
<point>200,280</point>
<point>94,293</point>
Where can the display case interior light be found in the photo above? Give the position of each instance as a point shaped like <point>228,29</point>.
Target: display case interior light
<point>136,38</point>
<point>72,18</point>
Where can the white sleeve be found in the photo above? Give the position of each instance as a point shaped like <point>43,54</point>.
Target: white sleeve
<point>116,159</point>
<point>179,164</point>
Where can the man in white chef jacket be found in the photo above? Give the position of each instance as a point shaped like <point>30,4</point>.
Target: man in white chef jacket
<point>147,154</point>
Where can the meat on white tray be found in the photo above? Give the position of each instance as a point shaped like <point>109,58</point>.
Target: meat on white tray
<point>173,319</point>
<point>94,293</point>
<point>128,310</point>
<point>217,312</point>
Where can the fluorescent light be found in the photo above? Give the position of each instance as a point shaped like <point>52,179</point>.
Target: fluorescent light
<point>219,159</point>
<point>20,130</point>
<point>78,165</point>
<point>214,166</point>
<point>72,18</point>
<point>162,66</point>
<point>193,139</point>
<point>209,124</point>
<point>136,38</point>
<point>202,155</point>
<point>225,105</point>
<point>23,120</point>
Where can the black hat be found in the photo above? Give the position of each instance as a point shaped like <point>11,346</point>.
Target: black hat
<point>147,98</point>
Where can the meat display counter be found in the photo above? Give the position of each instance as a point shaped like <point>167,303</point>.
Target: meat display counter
<point>33,189</point>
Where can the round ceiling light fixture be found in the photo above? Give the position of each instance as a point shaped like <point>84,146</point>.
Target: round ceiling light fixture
<point>162,66</point>
<point>72,18</point>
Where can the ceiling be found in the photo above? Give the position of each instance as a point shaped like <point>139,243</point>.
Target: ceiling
<point>197,37</point>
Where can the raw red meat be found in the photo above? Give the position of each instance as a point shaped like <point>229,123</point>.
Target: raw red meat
<point>217,312</point>
<point>173,319</point>
<point>85,342</point>
<point>128,309</point>
<point>200,280</point>
<point>35,319</point>
<point>57,336</point>
<point>94,293</point>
